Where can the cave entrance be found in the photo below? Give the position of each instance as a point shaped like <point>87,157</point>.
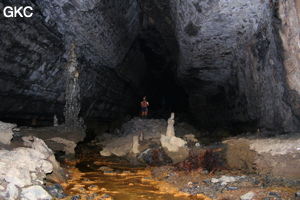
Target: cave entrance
<point>160,80</point>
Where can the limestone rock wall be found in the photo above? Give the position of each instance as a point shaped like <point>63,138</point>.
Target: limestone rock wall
<point>289,16</point>
<point>230,61</point>
<point>104,30</point>
<point>237,60</point>
<point>34,52</point>
<point>32,68</point>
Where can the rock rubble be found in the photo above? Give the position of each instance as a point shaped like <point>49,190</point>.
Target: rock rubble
<point>142,138</point>
<point>23,171</point>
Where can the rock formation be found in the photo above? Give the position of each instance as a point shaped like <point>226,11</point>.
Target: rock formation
<point>170,128</point>
<point>72,107</point>
<point>232,62</point>
<point>6,133</point>
<point>174,146</point>
<point>140,139</point>
<point>55,121</point>
<point>128,139</point>
<point>276,156</point>
<point>23,170</point>
<point>57,138</point>
<point>170,141</point>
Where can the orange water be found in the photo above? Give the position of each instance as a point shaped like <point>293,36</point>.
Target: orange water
<point>123,183</point>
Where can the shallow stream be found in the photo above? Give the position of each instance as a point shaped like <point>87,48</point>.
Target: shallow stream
<point>116,181</point>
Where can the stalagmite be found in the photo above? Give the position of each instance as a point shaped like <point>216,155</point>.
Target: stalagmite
<point>170,141</point>
<point>170,129</point>
<point>6,132</point>
<point>55,121</point>
<point>72,106</point>
<point>135,144</point>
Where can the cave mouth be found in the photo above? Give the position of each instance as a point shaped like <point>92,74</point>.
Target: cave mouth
<point>160,81</point>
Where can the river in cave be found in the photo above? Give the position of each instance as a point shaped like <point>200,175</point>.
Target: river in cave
<point>114,178</point>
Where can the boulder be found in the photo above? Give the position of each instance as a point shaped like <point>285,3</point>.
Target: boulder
<point>6,133</point>
<point>12,191</point>
<point>62,144</point>
<point>35,192</point>
<point>58,175</point>
<point>25,169</point>
<point>154,157</point>
<point>276,156</point>
<point>247,196</point>
<point>57,138</point>
<point>172,143</point>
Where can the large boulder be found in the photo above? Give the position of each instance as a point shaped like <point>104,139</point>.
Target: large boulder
<point>36,192</point>
<point>57,138</point>
<point>277,156</point>
<point>23,170</point>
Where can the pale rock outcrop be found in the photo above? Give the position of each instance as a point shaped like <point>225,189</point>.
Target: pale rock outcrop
<point>174,146</point>
<point>55,137</point>
<point>131,131</point>
<point>6,133</point>
<point>140,139</point>
<point>35,192</point>
<point>12,191</point>
<point>170,141</point>
<point>22,167</point>
<point>23,170</point>
<point>65,145</point>
<point>58,175</point>
<point>277,156</point>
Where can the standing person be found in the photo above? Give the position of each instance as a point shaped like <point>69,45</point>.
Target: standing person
<point>144,107</point>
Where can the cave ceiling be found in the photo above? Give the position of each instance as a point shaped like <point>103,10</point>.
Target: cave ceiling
<point>227,56</point>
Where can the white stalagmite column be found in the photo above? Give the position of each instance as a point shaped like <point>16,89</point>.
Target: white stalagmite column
<point>170,128</point>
